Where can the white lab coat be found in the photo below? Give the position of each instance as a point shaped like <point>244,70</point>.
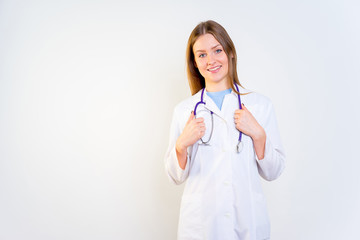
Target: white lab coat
<point>223,198</point>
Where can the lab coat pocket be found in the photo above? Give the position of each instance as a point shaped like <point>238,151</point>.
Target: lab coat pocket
<point>261,217</point>
<point>190,222</point>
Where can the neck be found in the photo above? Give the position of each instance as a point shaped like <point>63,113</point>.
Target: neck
<point>217,87</point>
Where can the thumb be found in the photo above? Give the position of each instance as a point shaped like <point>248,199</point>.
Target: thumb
<point>243,106</point>
<point>192,116</point>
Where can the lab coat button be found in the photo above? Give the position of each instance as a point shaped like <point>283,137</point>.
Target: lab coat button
<point>227,215</point>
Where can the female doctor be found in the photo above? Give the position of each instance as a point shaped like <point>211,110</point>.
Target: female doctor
<point>222,139</point>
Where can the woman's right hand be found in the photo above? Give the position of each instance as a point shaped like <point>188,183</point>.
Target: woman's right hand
<point>193,131</point>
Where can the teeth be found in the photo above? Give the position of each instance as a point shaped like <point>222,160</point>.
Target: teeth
<point>215,68</point>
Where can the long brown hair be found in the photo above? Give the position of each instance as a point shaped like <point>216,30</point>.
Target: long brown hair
<point>196,80</point>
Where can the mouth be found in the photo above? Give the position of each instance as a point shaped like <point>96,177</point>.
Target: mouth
<point>214,69</point>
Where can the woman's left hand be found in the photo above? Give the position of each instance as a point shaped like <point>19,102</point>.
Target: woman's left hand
<point>246,123</point>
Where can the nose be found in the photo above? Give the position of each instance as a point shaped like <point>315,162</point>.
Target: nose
<point>210,60</point>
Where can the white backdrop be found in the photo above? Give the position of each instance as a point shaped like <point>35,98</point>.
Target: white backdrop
<point>87,90</point>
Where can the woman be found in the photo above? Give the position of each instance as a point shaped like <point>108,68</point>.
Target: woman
<point>222,198</point>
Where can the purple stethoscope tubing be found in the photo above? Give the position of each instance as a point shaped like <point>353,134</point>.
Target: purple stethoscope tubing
<point>239,146</point>
<point>212,117</point>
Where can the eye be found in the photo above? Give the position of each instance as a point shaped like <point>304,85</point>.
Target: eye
<point>202,55</point>
<point>218,50</point>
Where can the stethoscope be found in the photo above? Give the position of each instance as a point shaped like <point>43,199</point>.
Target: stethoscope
<point>239,146</point>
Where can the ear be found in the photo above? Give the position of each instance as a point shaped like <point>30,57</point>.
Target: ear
<point>195,64</point>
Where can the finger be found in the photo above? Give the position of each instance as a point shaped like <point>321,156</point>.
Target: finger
<point>237,116</point>
<point>237,111</point>
<point>238,120</point>
<point>200,120</point>
<point>192,116</point>
<point>200,133</point>
<point>199,125</point>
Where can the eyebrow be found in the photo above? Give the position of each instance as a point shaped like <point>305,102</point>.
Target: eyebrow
<point>211,48</point>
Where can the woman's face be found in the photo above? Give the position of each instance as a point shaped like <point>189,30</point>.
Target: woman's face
<point>212,61</point>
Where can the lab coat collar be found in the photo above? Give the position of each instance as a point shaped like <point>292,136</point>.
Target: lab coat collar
<point>210,104</point>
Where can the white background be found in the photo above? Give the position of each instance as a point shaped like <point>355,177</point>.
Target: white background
<point>87,90</point>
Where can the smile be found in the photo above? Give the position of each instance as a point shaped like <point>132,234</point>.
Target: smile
<point>214,69</point>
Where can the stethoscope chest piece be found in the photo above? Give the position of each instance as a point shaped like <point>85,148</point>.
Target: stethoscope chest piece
<point>239,146</point>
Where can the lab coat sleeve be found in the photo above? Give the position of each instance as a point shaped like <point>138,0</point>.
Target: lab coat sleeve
<point>273,163</point>
<point>176,174</point>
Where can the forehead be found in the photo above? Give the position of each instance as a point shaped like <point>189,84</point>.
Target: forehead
<point>205,42</point>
